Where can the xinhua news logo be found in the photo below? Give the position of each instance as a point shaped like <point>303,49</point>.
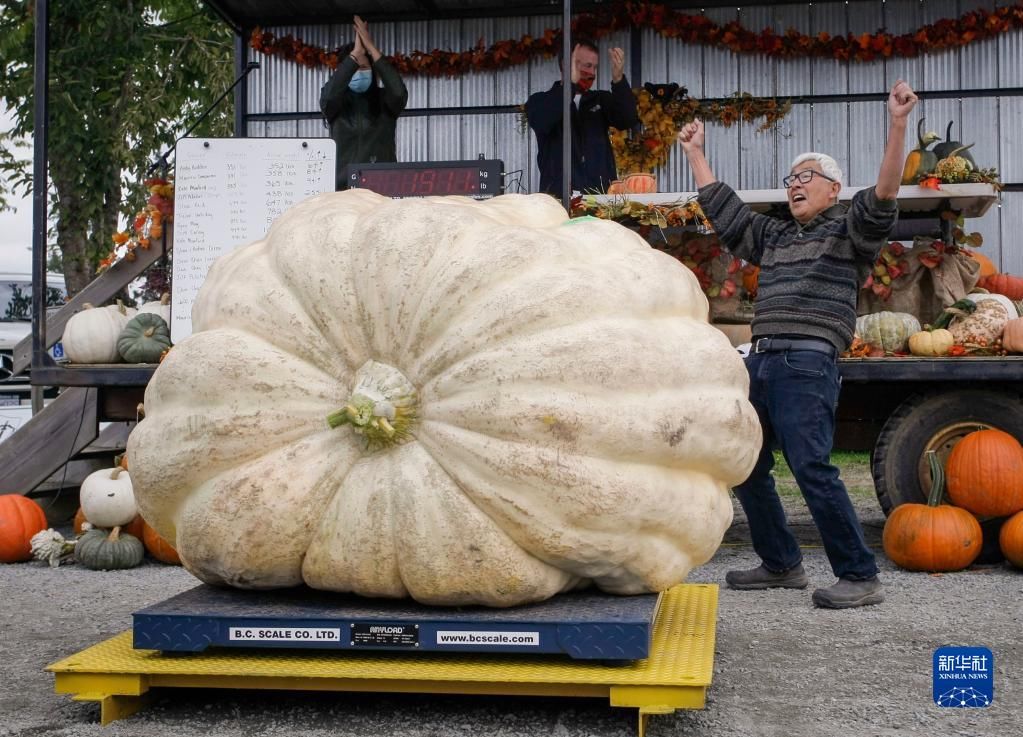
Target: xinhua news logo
<point>964,677</point>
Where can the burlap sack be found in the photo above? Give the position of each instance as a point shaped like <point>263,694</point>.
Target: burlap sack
<point>924,291</point>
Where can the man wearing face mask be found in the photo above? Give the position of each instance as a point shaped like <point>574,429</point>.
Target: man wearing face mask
<point>593,112</point>
<point>361,103</point>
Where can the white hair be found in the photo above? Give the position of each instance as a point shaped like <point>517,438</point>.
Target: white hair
<point>828,165</point>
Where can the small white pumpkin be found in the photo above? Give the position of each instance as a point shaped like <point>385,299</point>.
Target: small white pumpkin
<point>979,298</point>
<point>107,498</point>
<point>931,342</point>
<point>90,336</point>
<point>159,307</point>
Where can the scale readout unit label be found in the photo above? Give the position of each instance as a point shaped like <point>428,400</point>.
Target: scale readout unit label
<point>284,634</point>
<point>378,634</point>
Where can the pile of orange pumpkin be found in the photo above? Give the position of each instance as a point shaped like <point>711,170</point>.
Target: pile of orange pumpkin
<point>984,474</point>
<point>21,518</point>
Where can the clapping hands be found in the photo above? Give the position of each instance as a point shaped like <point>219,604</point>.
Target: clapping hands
<point>617,59</point>
<point>363,39</point>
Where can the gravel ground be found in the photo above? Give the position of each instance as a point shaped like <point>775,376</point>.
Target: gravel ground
<point>782,667</point>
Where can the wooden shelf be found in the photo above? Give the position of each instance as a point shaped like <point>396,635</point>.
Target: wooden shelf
<point>94,374</point>
<point>973,200</point>
<point>941,369</point>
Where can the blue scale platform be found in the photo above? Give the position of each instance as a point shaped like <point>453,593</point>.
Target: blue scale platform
<point>584,625</point>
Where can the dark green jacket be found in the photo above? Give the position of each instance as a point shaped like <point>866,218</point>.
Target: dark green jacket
<point>363,125</point>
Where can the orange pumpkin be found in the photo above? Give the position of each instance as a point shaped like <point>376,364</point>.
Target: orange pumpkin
<point>932,536</point>
<point>616,187</point>
<point>985,473</point>
<point>79,521</point>
<point>640,183</point>
<point>158,547</point>
<point>20,519</point>
<point>750,279</point>
<point>1010,539</point>
<point>1007,284</point>
<point>987,266</point>
<point>1012,335</point>
<point>135,527</point>
<point>132,528</point>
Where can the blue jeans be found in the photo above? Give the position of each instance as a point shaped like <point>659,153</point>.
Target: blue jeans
<point>795,393</point>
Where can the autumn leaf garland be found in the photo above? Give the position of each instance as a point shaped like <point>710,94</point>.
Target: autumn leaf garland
<point>148,224</point>
<point>948,33</point>
<point>660,120</point>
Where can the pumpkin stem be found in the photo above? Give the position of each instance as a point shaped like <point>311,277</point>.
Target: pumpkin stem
<point>114,535</point>
<point>937,495</point>
<point>382,407</point>
<point>116,472</point>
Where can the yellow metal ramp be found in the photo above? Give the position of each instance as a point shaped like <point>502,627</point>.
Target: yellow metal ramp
<point>675,676</point>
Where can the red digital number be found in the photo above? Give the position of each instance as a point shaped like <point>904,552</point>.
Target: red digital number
<point>468,186</point>
<point>443,181</point>
<point>426,183</point>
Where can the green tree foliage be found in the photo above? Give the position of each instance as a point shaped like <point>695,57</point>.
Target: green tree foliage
<point>126,78</point>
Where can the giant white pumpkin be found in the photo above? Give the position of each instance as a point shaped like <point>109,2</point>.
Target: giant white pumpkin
<point>520,404</point>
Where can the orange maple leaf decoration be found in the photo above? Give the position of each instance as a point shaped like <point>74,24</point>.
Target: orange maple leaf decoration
<point>942,35</point>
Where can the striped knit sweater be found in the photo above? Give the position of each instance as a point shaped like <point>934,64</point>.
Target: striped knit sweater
<point>809,274</point>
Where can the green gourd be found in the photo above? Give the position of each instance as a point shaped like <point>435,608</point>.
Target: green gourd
<point>144,339</point>
<point>108,551</point>
<point>889,331</point>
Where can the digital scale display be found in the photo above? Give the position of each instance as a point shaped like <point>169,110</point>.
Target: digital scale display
<point>480,179</point>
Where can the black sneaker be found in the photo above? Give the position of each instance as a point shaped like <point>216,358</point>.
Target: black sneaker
<point>847,593</point>
<point>761,578</point>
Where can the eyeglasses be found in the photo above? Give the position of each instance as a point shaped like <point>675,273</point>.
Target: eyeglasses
<point>804,177</point>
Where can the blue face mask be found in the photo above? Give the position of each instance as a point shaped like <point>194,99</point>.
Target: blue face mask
<point>360,81</point>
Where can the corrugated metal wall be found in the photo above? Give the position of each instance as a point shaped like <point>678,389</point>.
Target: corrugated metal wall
<point>852,132</point>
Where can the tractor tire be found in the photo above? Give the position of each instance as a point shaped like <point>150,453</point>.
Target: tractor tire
<point>937,422</point>
<point>934,422</point>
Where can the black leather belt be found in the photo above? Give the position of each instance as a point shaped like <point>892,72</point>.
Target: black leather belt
<point>767,345</point>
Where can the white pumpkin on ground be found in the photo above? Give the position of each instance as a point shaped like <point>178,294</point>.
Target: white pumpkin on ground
<point>90,336</point>
<point>520,404</point>
<point>107,498</point>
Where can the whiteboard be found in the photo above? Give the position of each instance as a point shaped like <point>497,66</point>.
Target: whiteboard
<point>227,192</point>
